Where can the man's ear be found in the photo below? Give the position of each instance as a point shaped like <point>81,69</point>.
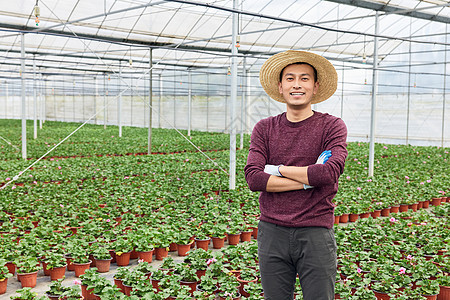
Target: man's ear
<point>280,88</point>
<point>316,87</point>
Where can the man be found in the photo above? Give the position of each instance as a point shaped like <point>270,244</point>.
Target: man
<point>295,160</point>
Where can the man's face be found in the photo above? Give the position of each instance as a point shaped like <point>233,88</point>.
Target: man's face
<point>297,85</point>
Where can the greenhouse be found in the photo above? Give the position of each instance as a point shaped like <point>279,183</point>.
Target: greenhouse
<point>126,139</point>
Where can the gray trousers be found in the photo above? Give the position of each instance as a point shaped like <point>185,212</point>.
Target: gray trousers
<point>284,252</point>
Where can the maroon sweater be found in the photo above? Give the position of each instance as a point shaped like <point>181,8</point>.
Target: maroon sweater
<point>276,141</point>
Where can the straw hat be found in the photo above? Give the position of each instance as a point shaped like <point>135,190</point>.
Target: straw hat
<point>269,75</point>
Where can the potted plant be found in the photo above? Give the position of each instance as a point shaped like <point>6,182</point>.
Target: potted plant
<point>88,280</point>
<point>102,259</point>
<point>228,286</point>
<point>56,264</point>
<point>188,276</point>
<point>72,293</point>
<point>80,260</point>
<point>145,248</point>
<point>4,275</point>
<point>56,289</point>
<point>27,269</point>
<point>218,235</point>
<point>122,248</point>
<point>26,294</point>
<point>246,275</point>
<point>145,268</point>
<point>184,242</point>
<point>119,277</point>
<point>427,287</point>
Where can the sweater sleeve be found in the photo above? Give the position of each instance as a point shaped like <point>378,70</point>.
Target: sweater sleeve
<point>335,140</point>
<point>256,160</point>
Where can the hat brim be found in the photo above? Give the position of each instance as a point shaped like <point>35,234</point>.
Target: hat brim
<point>269,75</point>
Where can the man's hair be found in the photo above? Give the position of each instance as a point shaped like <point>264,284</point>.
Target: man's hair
<point>299,63</point>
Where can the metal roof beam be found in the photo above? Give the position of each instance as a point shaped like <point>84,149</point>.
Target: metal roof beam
<point>391,9</point>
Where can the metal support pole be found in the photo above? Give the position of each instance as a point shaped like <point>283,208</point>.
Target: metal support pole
<point>131,100</point>
<point>248,102</point>
<point>409,92</point>
<point>7,96</point>
<point>150,99</point>
<point>43,99</point>
<point>160,100</point>
<point>232,168</point>
<point>189,102</point>
<point>34,99</point>
<point>119,102</point>
<point>342,91</point>
<point>243,101</point>
<point>22,75</point>
<point>445,86</point>
<point>374,98</point>
<point>95,99</point>
<point>105,109</point>
<point>207,102</point>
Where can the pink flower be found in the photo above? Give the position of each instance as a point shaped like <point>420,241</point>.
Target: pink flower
<point>429,180</point>
<point>369,180</point>
<point>59,167</point>
<point>392,219</point>
<point>13,187</point>
<point>422,182</point>
<point>108,220</point>
<point>52,159</point>
<point>140,260</point>
<point>61,205</point>
<point>358,188</point>
<point>384,147</point>
<point>8,179</point>
<point>76,281</point>
<point>407,181</point>
<point>390,180</point>
<point>187,159</point>
<point>406,177</point>
<point>348,177</point>
<point>409,257</point>
<point>126,177</point>
<point>359,162</point>
<point>402,270</point>
<point>359,270</point>
<point>210,261</point>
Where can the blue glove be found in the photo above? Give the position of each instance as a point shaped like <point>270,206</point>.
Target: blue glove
<point>273,170</point>
<point>323,158</point>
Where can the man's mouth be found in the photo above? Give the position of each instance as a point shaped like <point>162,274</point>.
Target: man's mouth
<point>297,94</point>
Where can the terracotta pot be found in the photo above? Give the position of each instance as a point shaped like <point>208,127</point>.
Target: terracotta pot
<point>255,232</point>
<point>69,261</point>
<point>119,284</point>
<point>413,206</point>
<point>430,297</point>
<point>394,209</point>
<point>160,253</point>
<point>11,267</point>
<point>123,259</point>
<point>218,243</point>
<point>385,212</point>
<point>146,255</point>
<point>52,297</point>
<point>80,268</point>
<point>3,285</point>
<point>87,294</point>
<point>381,296</point>
<point>191,284</point>
<point>353,217</point>
<point>134,254</point>
<point>28,279</point>
<point>155,284</point>
<point>183,249</point>
<point>103,265</point>
<point>376,213</point>
<point>246,236</point>
<point>343,218</point>
<point>173,247</point>
<point>127,289</point>
<point>233,239</point>
<point>200,273</point>
<point>113,255</point>
<point>425,203</point>
<point>57,273</point>
<point>364,215</point>
<point>403,207</point>
<point>45,268</point>
<point>203,244</point>
<point>436,201</point>
<point>336,219</point>
<point>243,283</point>
<point>444,293</point>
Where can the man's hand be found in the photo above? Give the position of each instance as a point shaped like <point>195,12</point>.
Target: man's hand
<point>323,158</point>
<point>273,170</point>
